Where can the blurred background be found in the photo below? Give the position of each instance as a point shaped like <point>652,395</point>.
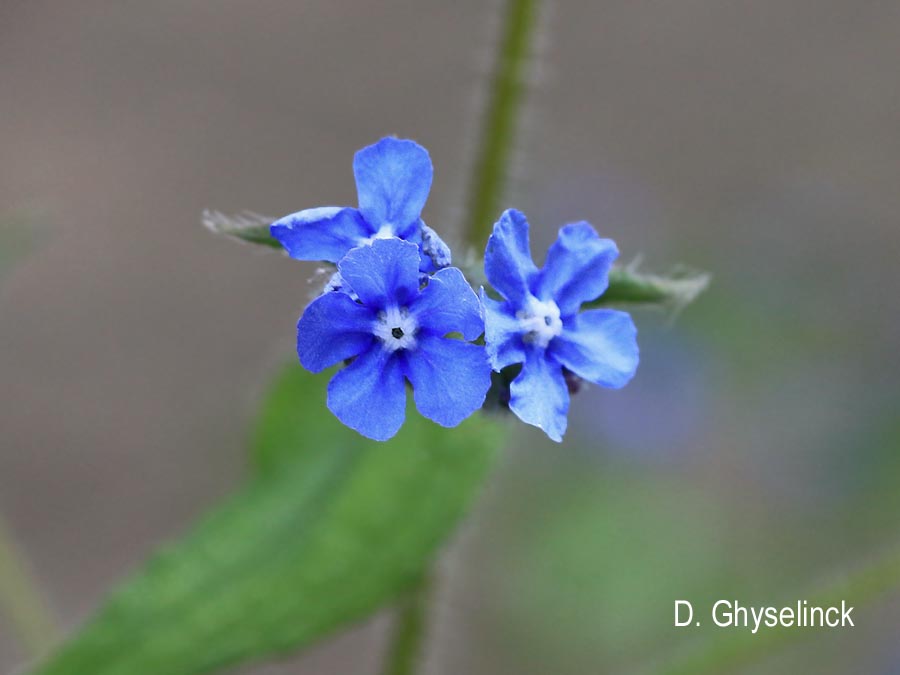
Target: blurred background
<point>755,456</point>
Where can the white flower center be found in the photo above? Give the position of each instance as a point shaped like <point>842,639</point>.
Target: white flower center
<point>396,328</point>
<point>540,321</point>
<point>385,232</point>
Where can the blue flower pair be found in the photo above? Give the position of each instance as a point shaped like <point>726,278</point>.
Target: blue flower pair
<point>391,321</point>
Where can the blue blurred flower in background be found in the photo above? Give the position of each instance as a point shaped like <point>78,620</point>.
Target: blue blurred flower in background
<point>679,370</point>
<point>396,331</point>
<point>539,325</point>
<point>393,178</point>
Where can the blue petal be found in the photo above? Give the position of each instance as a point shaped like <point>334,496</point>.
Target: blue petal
<point>325,233</point>
<point>600,346</point>
<point>336,283</point>
<point>393,178</point>
<point>449,305</point>
<point>435,254</point>
<point>539,395</point>
<point>434,250</point>
<point>502,334</point>
<point>333,328</point>
<point>507,258</point>
<point>577,267</point>
<point>383,274</point>
<point>450,378</point>
<point>369,395</point>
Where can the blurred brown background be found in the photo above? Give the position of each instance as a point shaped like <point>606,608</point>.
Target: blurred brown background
<point>755,454</point>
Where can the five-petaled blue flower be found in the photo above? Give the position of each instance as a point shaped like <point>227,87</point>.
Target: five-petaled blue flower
<point>394,332</point>
<point>393,178</point>
<point>539,324</point>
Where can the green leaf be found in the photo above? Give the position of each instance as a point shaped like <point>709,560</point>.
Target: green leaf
<point>246,226</point>
<point>294,426</point>
<point>332,527</point>
<point>732,650</point>
<point>18,236</point>
<point>21,601</point>
<point>629,287</point>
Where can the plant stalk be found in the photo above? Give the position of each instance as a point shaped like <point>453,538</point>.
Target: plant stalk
<point>405,649</point>
<point>500,119</point>
<point>21,600</point>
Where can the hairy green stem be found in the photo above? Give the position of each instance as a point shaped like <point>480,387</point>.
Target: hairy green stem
<point>500,117</point>
<point>21,600</point>
<point>736,648</point>
<point>404,651</point>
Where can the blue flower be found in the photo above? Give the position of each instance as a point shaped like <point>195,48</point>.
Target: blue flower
<point>539,325</point>
<point>393,178</point>
<point>395,331</point>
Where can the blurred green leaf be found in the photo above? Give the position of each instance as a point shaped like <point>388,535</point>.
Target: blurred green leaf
<point>589,564</point>
<point>332,527</point>
<point>674,291</point>
<point>245,226</point>
<point>17,238</point>
<point>21,599</point>
<point>733,649</point>
<point>295,427</point>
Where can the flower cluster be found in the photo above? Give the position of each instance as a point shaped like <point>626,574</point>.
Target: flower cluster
<point>397,312</point>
